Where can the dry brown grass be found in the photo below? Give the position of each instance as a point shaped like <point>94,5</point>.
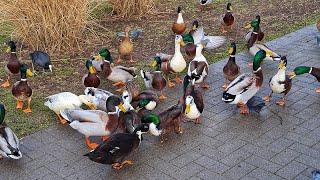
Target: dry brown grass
<point>128,8</point>
<point>51,25</point>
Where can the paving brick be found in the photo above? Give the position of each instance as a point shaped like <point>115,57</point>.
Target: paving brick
<point>239,171</point>
<point>185,159</point>
<point>305,150</point>
<point>209,175</point>
<point>280,144</point>
<point>263,164</point>
<point>187,171</point>
<point>209,152</point>
<point>212,165</point>
<point>310,161</point>
<point>285,157</point>
<point>260,174</point>
<point>162,166</point>
<point>235,157</point>
<point>291,170</point>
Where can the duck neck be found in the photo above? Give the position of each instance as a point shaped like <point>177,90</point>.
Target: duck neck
<point>13,55</point>
<point>154,130</point>
<point>23,76</point>
<point>180,19</point>
<point>113,118</point>
<point>259,77</point>
<point>106,68</point>
<point>232,58</point>
<point>177,48</point>
<point>199,51</point>
<point>315,72</point>
<point>281,73</point>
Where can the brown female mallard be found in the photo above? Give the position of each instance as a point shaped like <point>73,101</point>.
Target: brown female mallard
<point>125,47</point>
<point>13,66</point>
<point>21,90</point>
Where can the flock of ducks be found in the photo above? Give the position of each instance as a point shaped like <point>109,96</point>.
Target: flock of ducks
<point>131,113</point>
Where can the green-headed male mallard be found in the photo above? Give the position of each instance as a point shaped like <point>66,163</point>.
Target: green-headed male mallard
<point>245,86</point>
<point>91,79</point>
<point>231,70</point>
<point>117,147</point>
<point>13,66</point>
<point>280,83</point>
<point>118,74</point>
<point>303,70</point>
<point>21,91</point>
<point>260,33</point>
<point>9,142</point>
<point>227,19</point>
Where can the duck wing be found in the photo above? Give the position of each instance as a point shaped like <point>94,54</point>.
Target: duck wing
<point>9,143</point>
<point>198,35</point>
<point>214,41</point>
<point>129,120</point>
<point>147,78</point>
<point>164,57</point>
<point>241,84</point>
<point>40,58</point>
<point>170,114</point>
<point>130,70</point>
<point>92,116</point>
<point>98,93</point>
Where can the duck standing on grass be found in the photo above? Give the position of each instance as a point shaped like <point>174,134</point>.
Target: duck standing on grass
<point>9,142</point>
<point>21,91</point>
<point>303,70</point>
<point>227,19</point>
<point>245,86</point>
<point>125,47</point>
<point>91,79</point>
<point>280,83</point>
<point>13,66</point>
<point>118,74</point>
<point>231,70</point>
<point>179,26</point>
<point>117,147</point>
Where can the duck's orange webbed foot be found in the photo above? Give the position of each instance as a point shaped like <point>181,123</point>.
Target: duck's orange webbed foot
<point>91,145</point>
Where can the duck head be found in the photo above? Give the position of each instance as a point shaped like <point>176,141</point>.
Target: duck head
<point>283,63</point>
<point>233,49</point>
<point>157,63</point>
<point>258,18</point>
<point>260,55</point>
<point>254,24</point>
<point>195,25</point>
<point>154,121</point>
<point>90,67</point>
<point>113,102</point>
<point>179,40</point>
<point>187,38</point>
<point>2,113</point>
<point>106,54</point>
<point>229,7</point>
<point>141,129</point>
<point>11,47</point>
<point>147,104</point>
<point>87,101</point>
<point>300,70</point>
<point>24,71</point>
<point>189,101</point>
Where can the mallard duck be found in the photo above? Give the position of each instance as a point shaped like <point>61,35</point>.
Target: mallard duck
<point>155,80</point>
<point>304,69</point>
<point>194,105</point>
<point>253,47</point>
<point>98,97</point>
<point>166,122</point>
<point>199,67</point>
<point>318,24</point>
<point>212,41</point>
<point>231,70</point>
<point>41,59</point>
<point>9,142</point>
<point>21,91</point>
<point>13,66</point>
<point>245,86</point>
<point>91,79</point>
<point>280,83</point>
<point>125,47</point>
<point>179,26</point>
<point>260,33</point>
<point>118,74</point>
<point>66,100</point>
<point>145,100</point>
<point>128,119</point>
<point>174,65</point>
<point>227,19</point>
<point>117,147</point>
<point>95,122</point>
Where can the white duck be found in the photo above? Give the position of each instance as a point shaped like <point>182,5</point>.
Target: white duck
<point>98,97</point>
<point>245,86</point>
<point>176,64</point>
<point>66,100</point>
<point>9,142</point>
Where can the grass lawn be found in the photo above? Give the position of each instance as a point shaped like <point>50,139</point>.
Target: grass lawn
<point>278,18</point>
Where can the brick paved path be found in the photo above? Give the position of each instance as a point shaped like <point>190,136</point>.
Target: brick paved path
<point>225,146</point>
